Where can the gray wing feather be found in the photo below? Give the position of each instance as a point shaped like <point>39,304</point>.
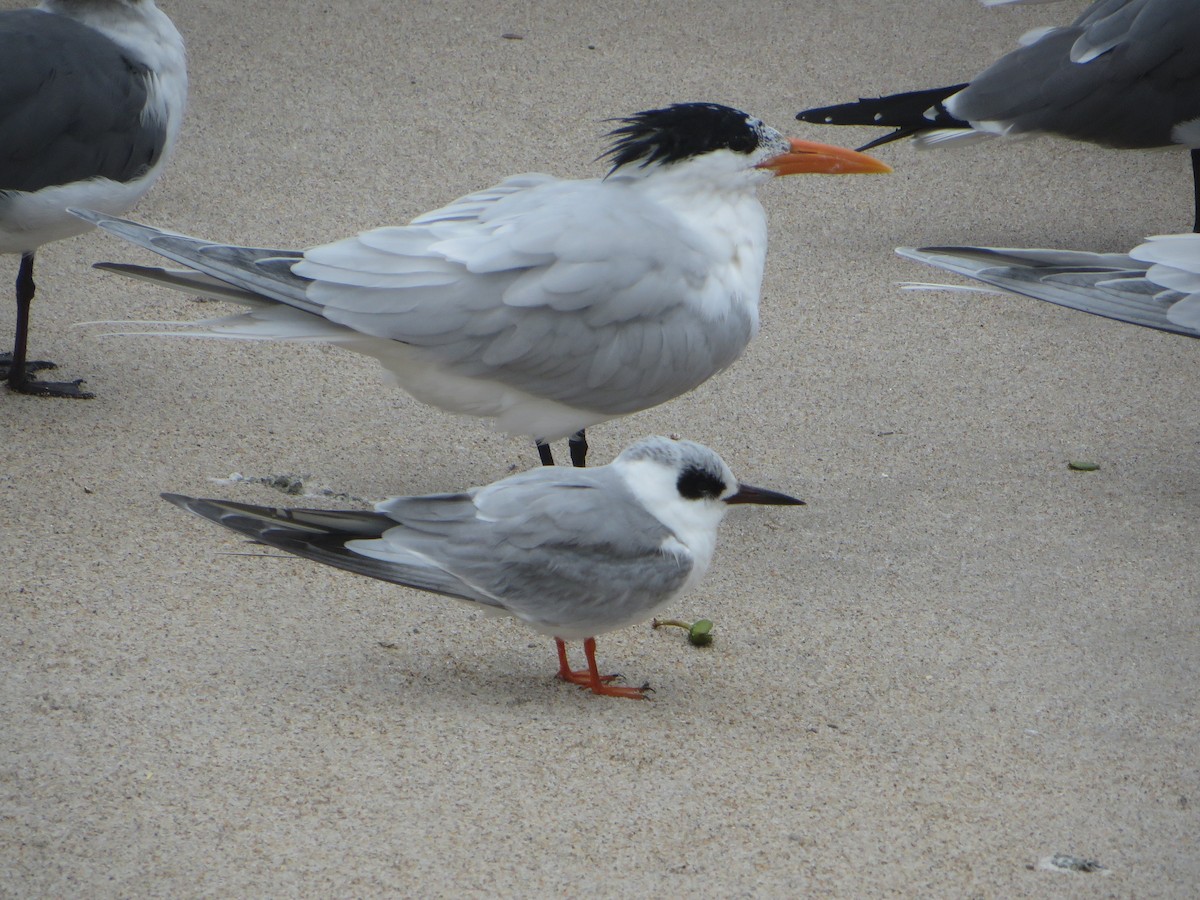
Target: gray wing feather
<point>324,536</point>
<point>186,280</point>
<point>266,272</point>
<point>1111,285</point>
<point>563,290</point>
<point>565,550</point>
<point>1124,74</point>
<point>71,105</point>
<point>561,549</point>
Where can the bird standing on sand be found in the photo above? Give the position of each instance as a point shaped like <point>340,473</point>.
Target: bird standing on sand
<point>92,94</point>
<point>545,304</point>
<point>571,552</point>
<point>1125,74</point>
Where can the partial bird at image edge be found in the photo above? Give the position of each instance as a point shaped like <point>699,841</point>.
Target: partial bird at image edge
<point>1155,285</point>
<point>93,99</point>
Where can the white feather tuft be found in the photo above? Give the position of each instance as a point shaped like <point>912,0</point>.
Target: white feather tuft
<point>1033,35</point>
<point>950,137</point>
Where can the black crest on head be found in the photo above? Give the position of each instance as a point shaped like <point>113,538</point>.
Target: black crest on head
<point>698,482</point>
<point>681,131</point>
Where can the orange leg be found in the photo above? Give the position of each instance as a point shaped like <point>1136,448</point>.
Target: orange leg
<point>591,678</point>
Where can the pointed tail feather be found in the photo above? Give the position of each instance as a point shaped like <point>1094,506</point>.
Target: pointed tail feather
<point>326,536</point>
<point>269,320</point>
<point>186,280</point>
<point>1112,285</point>
<point>261,271</point>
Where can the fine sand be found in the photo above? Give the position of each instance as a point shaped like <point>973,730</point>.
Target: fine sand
<point>960,659</point>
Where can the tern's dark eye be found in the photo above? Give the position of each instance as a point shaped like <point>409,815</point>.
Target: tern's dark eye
<point>696,483</point>
<point>743,143</point>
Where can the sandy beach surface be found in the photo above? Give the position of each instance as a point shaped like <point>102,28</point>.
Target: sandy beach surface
<point>960,659</point>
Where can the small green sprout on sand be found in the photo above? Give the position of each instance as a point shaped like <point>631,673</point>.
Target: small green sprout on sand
<point>699,632</point>
<point>1082,465</point>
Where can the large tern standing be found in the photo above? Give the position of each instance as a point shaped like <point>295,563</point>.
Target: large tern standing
<point>572,553</point>
<point>1157,284</point>
<point>1125,74</point>
<point>91,99</point>
<point>546,304</point>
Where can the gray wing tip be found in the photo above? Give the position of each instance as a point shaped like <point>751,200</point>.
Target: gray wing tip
<point>124,268</point>
<point>90,215</point>
<point>125,228</point>
<point>204,508</point>
<point>922,254</point>
<point>971,261</point>
<point>949,258</point>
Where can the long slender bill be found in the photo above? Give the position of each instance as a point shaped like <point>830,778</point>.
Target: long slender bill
<point>747,493</point>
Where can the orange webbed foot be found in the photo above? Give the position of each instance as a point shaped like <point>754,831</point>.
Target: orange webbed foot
<point>591,678</point>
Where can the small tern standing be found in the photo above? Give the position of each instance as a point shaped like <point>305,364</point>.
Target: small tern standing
<point>91,99</point>
<point>571,552</point>
<point>1124,74</point>
<point>545,304</point>
<point>1157,284</point>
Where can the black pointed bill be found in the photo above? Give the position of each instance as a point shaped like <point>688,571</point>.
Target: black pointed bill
<point>747,493</point>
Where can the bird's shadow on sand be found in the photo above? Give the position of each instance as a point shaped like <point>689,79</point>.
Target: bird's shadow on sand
<point>391,678</point>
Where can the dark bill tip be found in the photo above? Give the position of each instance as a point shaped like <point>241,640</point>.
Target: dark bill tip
<point>747,493</point>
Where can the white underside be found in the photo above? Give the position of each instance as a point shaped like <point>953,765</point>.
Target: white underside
<point>1187,133</point>
<point>28,220</point>
<point>513,411</point>
<point>592,629</point>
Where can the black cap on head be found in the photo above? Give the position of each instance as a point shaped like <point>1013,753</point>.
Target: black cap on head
<point>682,131</point>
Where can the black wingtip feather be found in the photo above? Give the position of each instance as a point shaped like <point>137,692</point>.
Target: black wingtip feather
<point>907,112</point>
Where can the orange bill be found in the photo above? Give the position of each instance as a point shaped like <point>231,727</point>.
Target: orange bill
<point>809,157</point>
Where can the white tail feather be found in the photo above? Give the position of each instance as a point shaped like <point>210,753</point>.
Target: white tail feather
<point>933,286</point>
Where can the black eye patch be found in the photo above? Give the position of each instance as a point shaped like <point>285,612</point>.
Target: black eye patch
<point>696,483</point>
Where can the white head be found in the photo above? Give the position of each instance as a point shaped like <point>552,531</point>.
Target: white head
<point>687,486</point>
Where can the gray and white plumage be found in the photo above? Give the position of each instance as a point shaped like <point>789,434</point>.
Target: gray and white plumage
<point>1123,74</point>
<point>546,304</point>
<point>92,95</point>
<point>571,552</point>
<point>1156,285</point>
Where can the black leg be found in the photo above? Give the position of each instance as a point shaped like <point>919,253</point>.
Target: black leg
<point>544,452</point>
<point>19,368</point>
<point>25,292</point>
<point>1196,187</point>
<point>579,448</point>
